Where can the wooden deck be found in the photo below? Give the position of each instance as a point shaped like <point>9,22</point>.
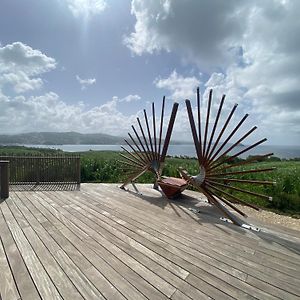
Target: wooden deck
<point>106,243</point>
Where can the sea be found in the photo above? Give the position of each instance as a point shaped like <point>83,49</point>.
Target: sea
<point>283,152</point>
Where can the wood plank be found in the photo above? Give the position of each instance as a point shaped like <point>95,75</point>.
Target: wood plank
<point>92,256</point>
<point>172,255</point>
<point>178,295</point>
<point>110,244</point>
<point>232,231</point>
<point>65,287</point>
<point>212,280</point>
<point>83,284</point>
<point>40,277</point>
<point>23,280</point>
<point>137,255</point>
<point>167,264</point>
<point>157,281</point>
<point>282,285</point>
<point>8,287</point>
<point>58,240</point>
<point>195,236</point>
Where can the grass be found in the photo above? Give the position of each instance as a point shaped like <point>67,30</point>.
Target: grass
<point>104,166</point>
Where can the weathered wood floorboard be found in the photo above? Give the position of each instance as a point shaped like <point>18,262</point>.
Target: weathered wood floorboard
<point>174,254</point>
<point>226,257</point>
<point>273,289</point>
<point>231,232</point>
<point>144,231</point>
<point>106,243</point>
<point>180,258</point>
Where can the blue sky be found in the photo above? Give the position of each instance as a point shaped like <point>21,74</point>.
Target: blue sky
<point>93,65</point>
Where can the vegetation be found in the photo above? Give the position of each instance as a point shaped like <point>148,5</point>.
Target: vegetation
<point>104,166</point>
<point>20,150</point>
<point>63,138</point>
<point>59,138</point>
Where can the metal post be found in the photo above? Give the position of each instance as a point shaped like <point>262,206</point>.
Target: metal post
<point>4,179</point>
<point>78,173</point>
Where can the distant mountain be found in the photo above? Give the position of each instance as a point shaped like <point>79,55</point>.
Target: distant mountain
<point>61,138</point>
<point>64,138</point>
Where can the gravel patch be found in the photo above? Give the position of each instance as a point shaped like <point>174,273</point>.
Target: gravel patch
<point>271,217</point>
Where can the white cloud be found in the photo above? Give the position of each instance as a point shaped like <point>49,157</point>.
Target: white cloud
<point>204,31</point>
<point>181,88</point>
<point>84,83</point>
<point>49,113</point>
<point>85,8</point>
<point>248,49</point>
<point>20,57</point>
<point>130,98</point>
<point>20,82</point>
<point>20,65</point>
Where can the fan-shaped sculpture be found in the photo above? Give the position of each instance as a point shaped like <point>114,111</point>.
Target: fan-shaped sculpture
<point>215,178</point>
<point>148,152</point>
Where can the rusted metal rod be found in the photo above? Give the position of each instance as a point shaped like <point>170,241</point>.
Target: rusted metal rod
<point>149,134</point>
<point>229,137</point>
<point>194,132</point>
<point>136,158</point>
<point>237,154</point>
<point>126,163</point>
<point>169,132</point>
<point>228,203</point>
<point>154,131</point>
<point>239,190</point>
<point>232,217</point>
<point>130,159</point>
<point>138,153</point>
<point>153,158</point>
<point>247,161</point>
<point>161,124</point>
<point>222,131</point>
<point>241,172</point>
<point>199,120</point>
<point>207,123</point>
<point>243,180</point>
<point>144,137</point>
<point>234,145</point>
<point>233,197</point>
<point>137,136</point>
<point>215,126</point>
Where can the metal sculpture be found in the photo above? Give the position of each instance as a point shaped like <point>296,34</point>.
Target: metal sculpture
<point>148,150</point>
<point>215,178</point>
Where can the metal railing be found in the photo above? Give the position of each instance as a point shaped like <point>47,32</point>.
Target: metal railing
<point>57,172</point>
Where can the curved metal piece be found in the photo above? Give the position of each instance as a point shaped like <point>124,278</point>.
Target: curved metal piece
<point>148,153</point>
<point>217,179</point>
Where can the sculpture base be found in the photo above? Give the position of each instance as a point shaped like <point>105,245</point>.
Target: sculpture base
<point>172,186</point>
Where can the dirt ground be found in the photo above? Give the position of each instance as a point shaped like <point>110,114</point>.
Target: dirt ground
<point>272,218</point>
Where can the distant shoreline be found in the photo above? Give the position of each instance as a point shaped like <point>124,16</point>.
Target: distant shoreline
<point>283,152</point>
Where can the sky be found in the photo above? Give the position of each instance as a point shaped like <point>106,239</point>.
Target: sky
<point>92,66</point>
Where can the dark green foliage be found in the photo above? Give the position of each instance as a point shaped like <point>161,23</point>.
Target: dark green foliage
<point>21,150</point>
<point>60,138</point>
<point>286,191</point>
